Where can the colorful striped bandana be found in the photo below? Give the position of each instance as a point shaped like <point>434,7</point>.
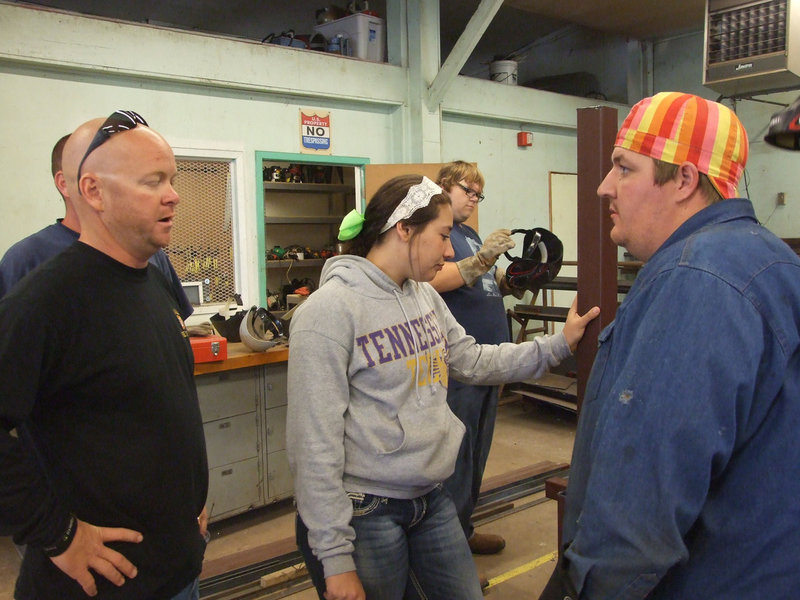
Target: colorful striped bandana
<point>675,127</point>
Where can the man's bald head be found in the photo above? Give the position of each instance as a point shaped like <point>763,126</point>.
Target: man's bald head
<point>74,150</point>
<point>120,174</point>
<point>103,138</point>
<point>56,155</point>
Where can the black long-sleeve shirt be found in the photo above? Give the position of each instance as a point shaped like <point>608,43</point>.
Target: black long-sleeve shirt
<point>97,377</point>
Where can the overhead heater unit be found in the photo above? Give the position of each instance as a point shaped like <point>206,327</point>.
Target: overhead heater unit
<point>752,47</point>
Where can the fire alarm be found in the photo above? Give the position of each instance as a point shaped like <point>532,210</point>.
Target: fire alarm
<point>525,138</point>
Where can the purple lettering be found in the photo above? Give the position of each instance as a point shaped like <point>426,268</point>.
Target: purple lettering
<point>361,342</point>
<point>376,336</point>
<point>394,339</point>
<point>419,329</point>
<point>409,338</point>
<point>433,328</point>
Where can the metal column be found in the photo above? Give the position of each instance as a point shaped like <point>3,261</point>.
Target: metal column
<point>597,254</point>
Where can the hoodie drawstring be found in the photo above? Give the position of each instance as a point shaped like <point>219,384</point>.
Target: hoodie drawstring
<point>430,355</point>
<point>416,347</point>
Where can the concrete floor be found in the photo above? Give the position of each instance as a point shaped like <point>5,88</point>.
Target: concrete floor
<point>527,432</point>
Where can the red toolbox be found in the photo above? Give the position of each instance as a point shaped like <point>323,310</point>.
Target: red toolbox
<point>209,348</point>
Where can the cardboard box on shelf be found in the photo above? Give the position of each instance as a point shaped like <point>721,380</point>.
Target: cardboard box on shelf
<point>364,32</point>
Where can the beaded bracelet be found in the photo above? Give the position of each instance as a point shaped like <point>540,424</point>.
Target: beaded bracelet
<point>64,540</point>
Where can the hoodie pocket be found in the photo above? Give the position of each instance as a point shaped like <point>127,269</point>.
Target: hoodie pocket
<point>423,426</point>
<point>431,439</point>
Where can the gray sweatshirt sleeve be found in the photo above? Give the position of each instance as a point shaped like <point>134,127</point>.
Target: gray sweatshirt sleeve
<point>318,395</point>
<point>494,364</point>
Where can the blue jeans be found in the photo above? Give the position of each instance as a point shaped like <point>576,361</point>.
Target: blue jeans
<point>405,549</point>
<point>190,592</point>
<point>476,407</point>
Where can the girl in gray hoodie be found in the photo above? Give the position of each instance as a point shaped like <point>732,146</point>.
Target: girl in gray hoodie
<point>370,437</point>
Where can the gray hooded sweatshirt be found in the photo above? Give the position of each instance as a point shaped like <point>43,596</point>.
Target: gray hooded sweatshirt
<point>368,368</point>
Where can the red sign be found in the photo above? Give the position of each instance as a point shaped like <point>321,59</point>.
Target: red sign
<point>315,131</point>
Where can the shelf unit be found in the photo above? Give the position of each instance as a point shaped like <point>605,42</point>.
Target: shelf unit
<point>307,215</point>
<point>301,220</point>
<point>290,263</point>
<point>307,187</point>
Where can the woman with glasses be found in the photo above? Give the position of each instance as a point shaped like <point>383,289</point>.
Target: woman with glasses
<point>369,434</point>
<point>473,288</point>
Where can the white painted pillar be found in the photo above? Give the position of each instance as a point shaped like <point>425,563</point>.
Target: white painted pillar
<point>423,128</point>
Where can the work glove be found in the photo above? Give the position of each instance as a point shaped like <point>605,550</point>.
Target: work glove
<point>473,268</point>
<point>505,289</point>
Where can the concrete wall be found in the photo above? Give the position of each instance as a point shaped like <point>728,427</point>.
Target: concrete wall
<point>207,94</point>
<point>210,95</point>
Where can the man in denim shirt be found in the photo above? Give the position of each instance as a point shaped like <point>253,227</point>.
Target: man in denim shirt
<point>682,482</point>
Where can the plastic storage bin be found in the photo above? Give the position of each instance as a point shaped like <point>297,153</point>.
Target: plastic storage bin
<point>364,31</point>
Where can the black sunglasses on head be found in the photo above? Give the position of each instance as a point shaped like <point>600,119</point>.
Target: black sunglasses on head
<point>120,120</point>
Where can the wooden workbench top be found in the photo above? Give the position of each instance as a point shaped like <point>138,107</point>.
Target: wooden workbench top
<point>240,356</point>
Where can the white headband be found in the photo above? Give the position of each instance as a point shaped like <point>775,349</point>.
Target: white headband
<point>418,195</point>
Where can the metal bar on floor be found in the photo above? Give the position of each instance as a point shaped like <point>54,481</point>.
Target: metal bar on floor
<point>245,583</point>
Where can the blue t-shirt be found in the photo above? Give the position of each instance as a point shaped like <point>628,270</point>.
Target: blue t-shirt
<point>30,252</point>
<point>478,308</point>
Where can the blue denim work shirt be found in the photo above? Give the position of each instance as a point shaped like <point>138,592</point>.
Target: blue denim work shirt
<point>684,478</point>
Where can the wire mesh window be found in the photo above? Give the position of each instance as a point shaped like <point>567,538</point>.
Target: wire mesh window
<point>747,31</point>
<point>201,248</point>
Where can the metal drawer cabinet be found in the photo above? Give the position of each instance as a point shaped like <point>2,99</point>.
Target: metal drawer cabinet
<point>229,404</point>
<point>231,439</point>
<point>279,477</point>
<point>233,489</point>
<point>244,421</point>
<point>275,385</point>
<point>227,393</point>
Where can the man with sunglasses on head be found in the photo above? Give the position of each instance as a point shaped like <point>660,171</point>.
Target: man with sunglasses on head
<point>107,479</point>
<point>30,252</point>
<point>473,288</point>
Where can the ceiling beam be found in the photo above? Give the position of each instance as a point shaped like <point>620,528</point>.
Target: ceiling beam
<point>462,50</point>
<point>640,19</point>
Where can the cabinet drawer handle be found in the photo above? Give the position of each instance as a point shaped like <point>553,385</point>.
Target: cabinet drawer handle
<point>225,425</point>
<point>226,472</point>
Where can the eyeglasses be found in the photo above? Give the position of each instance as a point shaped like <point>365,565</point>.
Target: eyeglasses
<point>120,120</point>
<point>471,193</point>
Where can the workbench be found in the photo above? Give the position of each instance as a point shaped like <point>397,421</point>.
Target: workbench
<point>240,356</point>
<point>243,405</point>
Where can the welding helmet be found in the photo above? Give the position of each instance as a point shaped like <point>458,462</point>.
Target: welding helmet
<point>260,330</point>
<point>538,263</point>
<point>784,127</point>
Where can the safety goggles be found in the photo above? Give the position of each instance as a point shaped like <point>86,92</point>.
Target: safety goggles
<point>120,120</point>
